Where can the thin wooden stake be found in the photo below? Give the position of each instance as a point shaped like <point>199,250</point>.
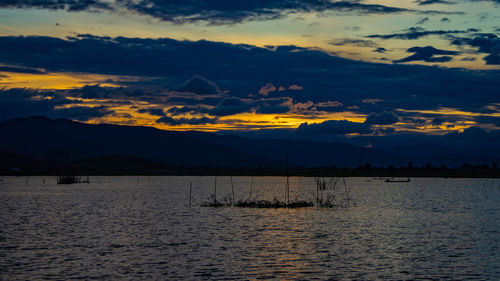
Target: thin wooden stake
<point>346,192</point>
<point>215,192</point>
<point>251,188</point>
<point>190,188</point>
<point>287,190</point>
<point>232,189</point>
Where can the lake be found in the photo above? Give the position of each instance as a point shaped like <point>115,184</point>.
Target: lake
<point>142,228</point>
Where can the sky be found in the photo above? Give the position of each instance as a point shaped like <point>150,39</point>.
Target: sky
<point>317,69</point>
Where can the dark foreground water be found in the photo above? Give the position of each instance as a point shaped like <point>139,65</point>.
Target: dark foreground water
<point>142,229</point>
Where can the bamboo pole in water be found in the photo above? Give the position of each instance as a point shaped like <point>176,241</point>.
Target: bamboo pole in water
<point>215,192</point>
<point>190,188</point>
<point>317,191</point>
<point>287,190</point>
<point>251,189</point>
<point>346,192</point>
<point>232,189</point>
<point>287,185</point>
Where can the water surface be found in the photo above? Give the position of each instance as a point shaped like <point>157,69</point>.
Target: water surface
<point>142,228</point>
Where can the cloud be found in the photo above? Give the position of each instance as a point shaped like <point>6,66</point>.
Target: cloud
<point>353,42</point>
<point>268,88</point>
<point>235,105</point>
<point>159,66</point>
<point>427,54</point>
<point>83,113</point>
<point>488,120</point>
<point>232,105</point>
<point>152,111</point>
<point>423,20</point>
<point>383,118</point>
<point>69,5</point>
<point>492,59</point>
<point>214,12</point>
<point>413,33</point>
<point>276,105</point>
<point>372,101</point>
<point>380,50</point>
<point>186,121</point>
<point>21,70</point>
<point>199,85</point>
<point>334,127</point>
<point>431,2</point>
<point>468,59</point>
<point>328,104</point>
<point>295,88</point>
<point>485,43</point>
<point>475,133</point>
<point>438,121</point>
<point>15,103</point>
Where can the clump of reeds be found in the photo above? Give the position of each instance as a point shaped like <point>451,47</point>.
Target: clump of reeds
<point>68,179</point>
<point>214,203</point>
<point>332,193</point>
<point>272,204</point>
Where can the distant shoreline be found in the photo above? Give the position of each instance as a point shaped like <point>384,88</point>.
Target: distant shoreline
<point>403,172</point>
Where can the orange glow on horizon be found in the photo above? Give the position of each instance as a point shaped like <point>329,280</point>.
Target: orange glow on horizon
<point>55,81</point>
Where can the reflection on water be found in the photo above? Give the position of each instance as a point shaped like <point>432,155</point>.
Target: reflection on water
<point>142,228</point>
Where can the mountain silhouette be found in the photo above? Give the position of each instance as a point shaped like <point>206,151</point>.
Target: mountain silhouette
<point>65,141</point>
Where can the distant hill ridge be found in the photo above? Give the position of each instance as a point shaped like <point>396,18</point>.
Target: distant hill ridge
<point>65,141</point>
<point>40,141</point>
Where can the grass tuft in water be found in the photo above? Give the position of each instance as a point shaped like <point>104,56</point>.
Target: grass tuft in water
<point>71,179</point>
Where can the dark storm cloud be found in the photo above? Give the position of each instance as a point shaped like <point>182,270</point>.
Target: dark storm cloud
<point>199,85</point>
<point>438,121</point>
<point>82,113</point>
<point>485,43</point>
<point>488,120</point>
<point>244,69</point>
<point>20,70</point>
<point>235,105</point>
<point>274,105</point>
<point>334,127</point>
<point>383,118</point>
<point>475,133</point>
<point>492,59</point>
<point>152,111</point>
<point>93,92</point>
<point>16,103</point>
<point>232,105</point>
<point>186,121</point>
<point>428,54</point>
<point>215,12</point>
<point>413,33</point>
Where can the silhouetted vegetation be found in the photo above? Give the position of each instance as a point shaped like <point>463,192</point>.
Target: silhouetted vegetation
<point>68,179</point>
<point>131,165</point>
<point>273,204</point>
<point>330,193</point>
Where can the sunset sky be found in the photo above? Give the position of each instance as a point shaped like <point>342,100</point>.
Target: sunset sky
<point>262,68</point>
